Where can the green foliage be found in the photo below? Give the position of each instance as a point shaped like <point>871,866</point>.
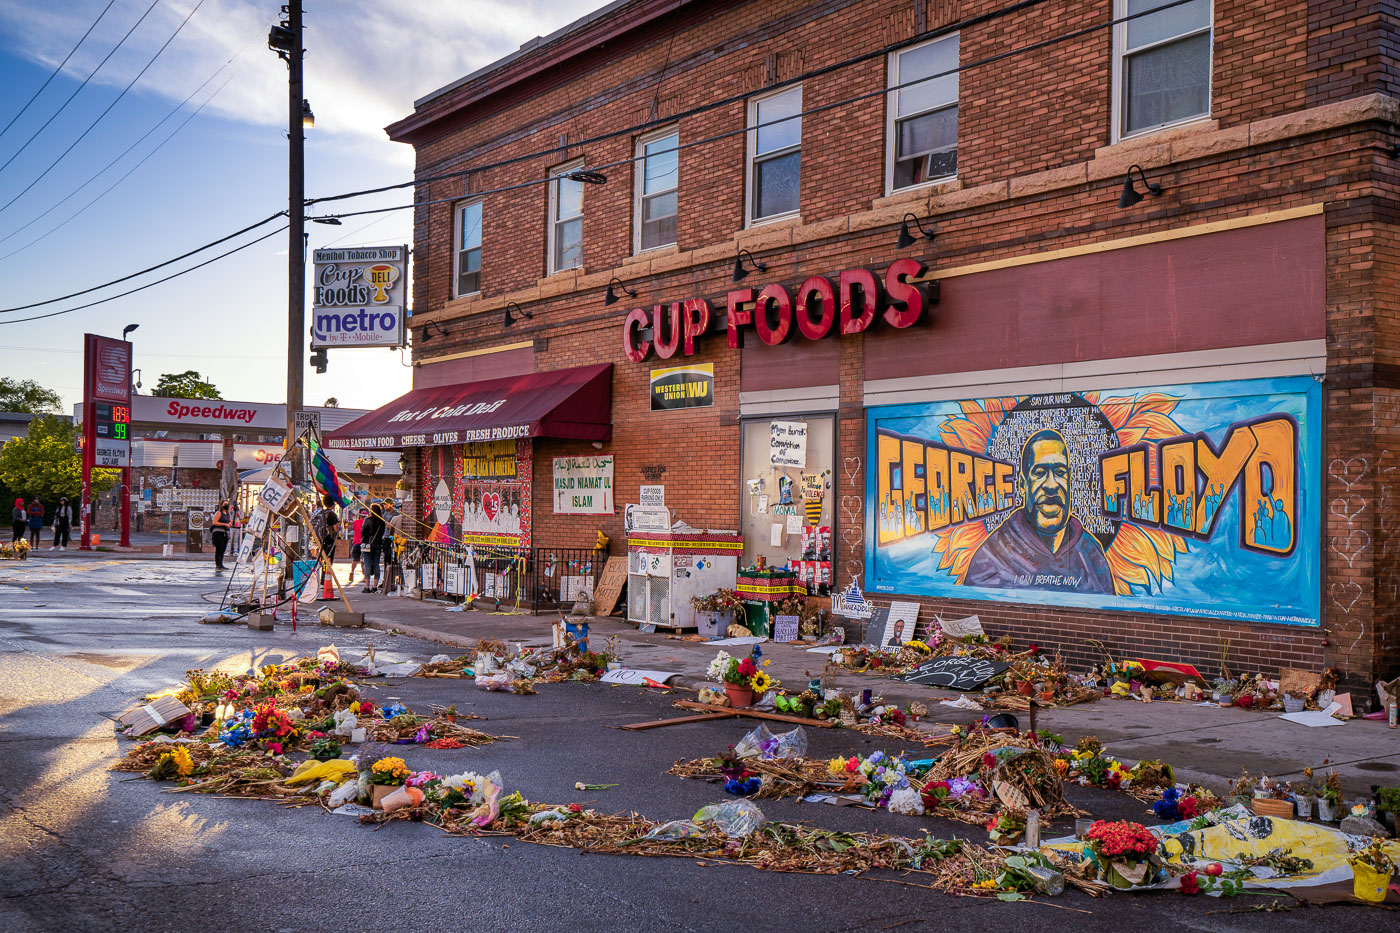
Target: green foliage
<point>1388,799</point>
<point>188,384</point>
<point>27,395</point>
<point>46,464</point>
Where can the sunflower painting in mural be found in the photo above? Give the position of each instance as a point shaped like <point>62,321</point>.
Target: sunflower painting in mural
<point>1100,496</point>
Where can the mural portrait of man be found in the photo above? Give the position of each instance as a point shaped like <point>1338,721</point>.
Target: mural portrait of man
<point>1042,545</point>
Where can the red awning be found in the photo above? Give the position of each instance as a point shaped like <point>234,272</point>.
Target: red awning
<point>568,403</point>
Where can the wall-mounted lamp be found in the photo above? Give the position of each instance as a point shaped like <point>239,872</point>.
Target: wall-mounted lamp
<point>586,177</point>
<point>519,313</point>
<point>1130,195</point>
<point>740,271</point>
<point>403,464</point>
<point>908,239</point>
<point>428,334</point>
<point>612,297</point>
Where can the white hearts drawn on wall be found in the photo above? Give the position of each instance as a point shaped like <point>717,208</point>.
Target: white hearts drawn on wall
<point>1348,472</point>
<point>852,467</point>
<point>851,507</point>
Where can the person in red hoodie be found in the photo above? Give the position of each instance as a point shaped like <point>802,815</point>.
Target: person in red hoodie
<point>19,521</point>
<point>356,547</point>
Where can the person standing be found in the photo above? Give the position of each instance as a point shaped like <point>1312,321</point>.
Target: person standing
<point>62,524</point>
<point>19,520</point>
<point>36,521</point>
<point>356,548</point>
<point>222,524</point>
<point>371,533</point>
<point>393,530</point>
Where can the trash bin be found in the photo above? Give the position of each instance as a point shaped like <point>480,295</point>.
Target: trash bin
<point>194,541</point>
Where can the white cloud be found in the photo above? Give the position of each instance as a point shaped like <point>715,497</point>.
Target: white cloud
<point>365,65</point>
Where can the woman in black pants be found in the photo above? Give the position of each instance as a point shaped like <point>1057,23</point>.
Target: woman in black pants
<point>223,521</point>
<point>62,524</point>
<point>19,520</point>
<point>371,533</point>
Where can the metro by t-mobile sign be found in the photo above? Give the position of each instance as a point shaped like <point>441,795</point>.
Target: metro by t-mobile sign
<point>106,417</point>
<point>358,300</point>
<point>817,309</point>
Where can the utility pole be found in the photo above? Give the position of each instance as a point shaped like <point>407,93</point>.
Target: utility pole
<point>287,41</point>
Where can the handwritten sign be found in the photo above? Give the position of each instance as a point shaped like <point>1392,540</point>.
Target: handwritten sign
<point>785,628</point>
<point>626,675</point>
<point>275,495</point>
<point>955,673</point>
<point>961,628</point>
<point>787,444</point>
<point>609,588</point>
<point>813,486</point>
<point>257,522</point>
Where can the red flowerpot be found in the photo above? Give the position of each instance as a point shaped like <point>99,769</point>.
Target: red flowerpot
<point>1025,688</point>
<point>739,697</point>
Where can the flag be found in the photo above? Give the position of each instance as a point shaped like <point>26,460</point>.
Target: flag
<point>323,471</point>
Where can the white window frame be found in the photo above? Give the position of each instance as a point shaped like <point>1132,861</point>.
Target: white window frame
<point>1120,85</point>
<point>457,211</point>
<point>751,144</point>
<point>639,183</point>
<point>892,115</point>
<point>550,222</point>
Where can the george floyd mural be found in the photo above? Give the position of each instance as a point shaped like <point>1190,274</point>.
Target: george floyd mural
<point>1193,500</point>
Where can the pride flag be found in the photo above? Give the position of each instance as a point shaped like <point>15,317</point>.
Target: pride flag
<point>323,472</point>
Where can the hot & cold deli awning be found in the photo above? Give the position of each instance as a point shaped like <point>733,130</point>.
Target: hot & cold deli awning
<point>574,404</point>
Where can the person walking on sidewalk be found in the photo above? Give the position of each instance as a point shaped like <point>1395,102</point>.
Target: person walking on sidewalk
<point>370,533</point>
<point>357,552</point>
<point>62,524</point>
<point>223,523</point>
<point>36,521</point>
<point>19,520</point>
<point>393,530</point>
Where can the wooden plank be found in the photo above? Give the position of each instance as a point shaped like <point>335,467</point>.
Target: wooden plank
<point>609,586</point>
<point>706,717</point>
<point>759,714</point>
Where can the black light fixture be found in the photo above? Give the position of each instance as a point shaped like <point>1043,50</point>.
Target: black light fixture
<point>136,374</point>
<point>587,177</point>
<point>281,39</point>
<point>128,329</point>
<point>612,297</point>
<point>308,119</point>
<point>908,239</point>
<point>1130,195</point>
<point>328,221</point>
<point>403,463</point>
<point>519,310</point>
<point>740,271</point>
<point>428,335</point>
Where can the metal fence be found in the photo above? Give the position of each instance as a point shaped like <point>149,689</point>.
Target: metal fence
<point>542,578</point>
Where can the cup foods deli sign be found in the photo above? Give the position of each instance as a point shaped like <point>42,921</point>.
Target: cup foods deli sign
<point>359,297</point>
<point>818,308</point>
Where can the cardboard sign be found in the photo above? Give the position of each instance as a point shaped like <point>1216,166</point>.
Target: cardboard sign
<point>813,486</point>
<point>624,675</point>
<point>410,579</point>
<point>960,628</point>
<point>609,586</point>
<point>257,522</point>
<point>785,628</point>
<point>787,444</point>
<point>275,495</point>
<point>955,673</point>
<point>453,582</point>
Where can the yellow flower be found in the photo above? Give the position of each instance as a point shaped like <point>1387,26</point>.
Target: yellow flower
<point>762,683</point>
<point>355,708</point>
<point>767,662</point>
<point>183,763</point>
<point>836,766</point>
<point>987,885</point>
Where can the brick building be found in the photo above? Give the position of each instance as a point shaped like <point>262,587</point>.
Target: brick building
<point>1162,418</point>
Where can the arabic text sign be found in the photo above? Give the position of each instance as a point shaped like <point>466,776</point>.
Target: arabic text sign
<point>583,485</point>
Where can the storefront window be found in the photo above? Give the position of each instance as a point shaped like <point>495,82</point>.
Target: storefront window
<point>788,510</point>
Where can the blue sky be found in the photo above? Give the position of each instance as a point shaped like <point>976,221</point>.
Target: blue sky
<point>366,63</point>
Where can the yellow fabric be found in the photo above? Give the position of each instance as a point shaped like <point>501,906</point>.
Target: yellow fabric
<point>337,769</point>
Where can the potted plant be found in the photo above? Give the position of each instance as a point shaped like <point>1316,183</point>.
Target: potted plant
<point>368,465</point>
<point>385,776</point>
<point>1371,869</point>
<point>1387,804</point>
<point>1124,851</point>
<point>716,612</point>
<point>1329,798</point>
<point>325,749</point>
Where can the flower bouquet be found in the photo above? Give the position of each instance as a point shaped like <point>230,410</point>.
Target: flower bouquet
<point>1371,869</point>
<point>742,679</point>
<point>1126,852</point>
<point>717,611</point>
<point>385,775</point>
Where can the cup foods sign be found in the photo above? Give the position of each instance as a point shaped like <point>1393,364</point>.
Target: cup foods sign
<point>359,297</point>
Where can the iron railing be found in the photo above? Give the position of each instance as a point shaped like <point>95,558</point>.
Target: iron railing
<point>543,578</point>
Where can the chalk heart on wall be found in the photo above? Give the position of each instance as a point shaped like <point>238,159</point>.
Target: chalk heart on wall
<point>852,538</point>
<point>851,507</point>
<point>1345,593</point>
<point>853,571</point>
<point>1347,507</point>
<point>491,504</point>
<point>851,466</point>
<point>1348,472</point>
<point>1350,545</point>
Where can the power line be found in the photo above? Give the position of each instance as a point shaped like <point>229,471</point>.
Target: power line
<point>80,86</point>
<point>748,128</point>
<point>159,265</point>
<point>143,138</point>
<point>139,288</point>
<point>55,72</point>
<point>106,111</point>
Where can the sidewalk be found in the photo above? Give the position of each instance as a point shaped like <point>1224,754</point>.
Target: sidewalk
<point>1208,745</point>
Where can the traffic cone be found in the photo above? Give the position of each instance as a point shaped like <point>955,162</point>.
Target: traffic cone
<point>326,592</point>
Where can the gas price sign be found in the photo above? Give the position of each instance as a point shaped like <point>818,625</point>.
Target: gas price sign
<point>113,426</point>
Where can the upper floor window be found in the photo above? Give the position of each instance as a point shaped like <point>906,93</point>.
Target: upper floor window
<point>921,136</point>
<point>1161,64</point>
<point>467,260</point>
<point>658,177</point>
<point>565,219</point>
<point>774,169</point>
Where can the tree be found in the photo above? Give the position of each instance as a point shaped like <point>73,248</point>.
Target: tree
<point>332,402</point>
<point>188,384</point>
<point>27,395</point>
<point>47,464</point>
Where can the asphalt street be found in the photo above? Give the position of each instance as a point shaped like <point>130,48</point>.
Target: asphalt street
<point>83,848</point>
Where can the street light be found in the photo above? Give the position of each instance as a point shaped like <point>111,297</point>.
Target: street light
<point>128,329</point>
<point>308,119</point>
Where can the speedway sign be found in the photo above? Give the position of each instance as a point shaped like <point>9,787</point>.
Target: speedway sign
<point>359,297</point>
